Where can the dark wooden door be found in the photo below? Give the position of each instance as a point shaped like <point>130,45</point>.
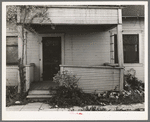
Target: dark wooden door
<point>51,57</point>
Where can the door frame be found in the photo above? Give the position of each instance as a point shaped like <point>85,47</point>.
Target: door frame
<point>41,49</point>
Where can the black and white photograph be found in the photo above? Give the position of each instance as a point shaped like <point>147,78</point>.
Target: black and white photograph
<point>75,60</point>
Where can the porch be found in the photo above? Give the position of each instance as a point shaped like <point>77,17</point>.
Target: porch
<point>41,90</point>
<point>92,79</point>
<point>85,46</point>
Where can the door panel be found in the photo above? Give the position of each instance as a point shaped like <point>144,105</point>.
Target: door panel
<point>51,56</point>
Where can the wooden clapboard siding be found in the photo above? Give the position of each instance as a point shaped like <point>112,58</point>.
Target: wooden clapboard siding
<point>135,26</point>
<point>77,16</point>
<point>94,78</point>
<point>12,75</point>
<point>139,71</point>
<point>33,52</point>
<point>88,48</point>
<point>133,23</point>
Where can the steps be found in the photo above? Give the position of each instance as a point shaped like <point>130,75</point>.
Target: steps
<point>42,90</point>
<point>39,95</point>
<point>36,92</point>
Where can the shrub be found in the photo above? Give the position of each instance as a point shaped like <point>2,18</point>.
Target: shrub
<point>66,97</point>
<point>66,79</point>
<point>132,82</point>
<point>133,91</point>
<point>133,88</point>
<point>12,96</point>
<point>69,94</point>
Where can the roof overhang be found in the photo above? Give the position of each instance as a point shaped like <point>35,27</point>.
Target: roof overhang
<point>76,15</point>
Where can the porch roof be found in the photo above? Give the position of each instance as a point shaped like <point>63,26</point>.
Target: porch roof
<point>74,15</point>
<point>83,6</point>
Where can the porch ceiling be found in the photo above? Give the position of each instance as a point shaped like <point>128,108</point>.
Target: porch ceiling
<point>61,28</point>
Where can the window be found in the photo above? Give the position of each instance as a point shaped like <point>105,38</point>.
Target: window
<point>130,48</point>
<point>12,50</point>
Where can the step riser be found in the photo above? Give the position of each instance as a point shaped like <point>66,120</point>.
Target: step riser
<point>36,92</point>
<point>43,96</point>
<point>37,100</point>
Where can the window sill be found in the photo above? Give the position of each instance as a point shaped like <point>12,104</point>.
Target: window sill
<point>133,64</point>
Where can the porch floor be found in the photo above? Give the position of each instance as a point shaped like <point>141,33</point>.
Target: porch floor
<point>42,85</point>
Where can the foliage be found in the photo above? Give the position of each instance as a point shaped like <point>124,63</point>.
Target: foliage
<point>12,96</point>
<point>22,77</point>
<point>66,79</point>
<point>95,108</point>
<point>69,94</point>
<point>133,91</point>
<point>134,88</point>
<point>66,97</point>
<point>132,82</point>
<point>27,11</point>
<point>11,92</point>
<point>11,14</point>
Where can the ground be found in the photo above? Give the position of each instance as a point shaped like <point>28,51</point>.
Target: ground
<point>40,106</point>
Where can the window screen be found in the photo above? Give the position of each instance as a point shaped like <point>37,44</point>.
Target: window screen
<point>130,48</point>
<point>12,50</point>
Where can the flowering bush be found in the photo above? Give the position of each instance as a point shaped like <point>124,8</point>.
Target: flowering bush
<point>66,79</point>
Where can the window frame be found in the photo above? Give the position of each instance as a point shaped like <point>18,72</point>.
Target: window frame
<point>11,35</point>
<point>126,32</point>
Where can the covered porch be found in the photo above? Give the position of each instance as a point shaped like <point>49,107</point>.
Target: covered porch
<point>85,45</point>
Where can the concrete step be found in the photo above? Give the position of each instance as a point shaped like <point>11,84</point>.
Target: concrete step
<point>41,92</point>
<point>38,96</point>
<point>38,92</point>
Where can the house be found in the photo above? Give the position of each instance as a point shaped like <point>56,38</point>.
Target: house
<point>93,42</point>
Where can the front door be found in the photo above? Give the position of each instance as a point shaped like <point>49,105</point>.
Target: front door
<point>51,57</point>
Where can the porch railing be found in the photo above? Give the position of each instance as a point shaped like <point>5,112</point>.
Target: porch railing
<point>95,78</point>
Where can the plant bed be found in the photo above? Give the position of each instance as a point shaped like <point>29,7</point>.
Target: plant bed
<point>68,93</point>
<point>13,97</point>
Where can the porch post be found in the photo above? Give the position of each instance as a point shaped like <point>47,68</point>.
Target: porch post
<point>120,47</point>
<point>19,27</point>
<point>25,48</point>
